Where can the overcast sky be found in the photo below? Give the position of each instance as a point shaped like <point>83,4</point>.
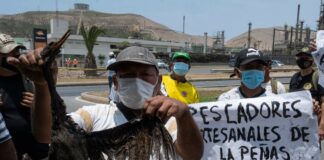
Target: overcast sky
<point>209,16</point>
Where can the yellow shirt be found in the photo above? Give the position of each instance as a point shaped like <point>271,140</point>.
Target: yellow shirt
<point>184,92</point>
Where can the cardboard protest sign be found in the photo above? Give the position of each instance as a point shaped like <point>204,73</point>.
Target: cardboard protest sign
<point>274,127</point>
<point>319,55</point>
<point>320,39</point>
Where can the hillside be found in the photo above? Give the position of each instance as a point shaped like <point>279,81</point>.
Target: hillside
<point>115,25</point>
<point>126,25</point>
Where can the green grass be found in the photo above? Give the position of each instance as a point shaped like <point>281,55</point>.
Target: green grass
<point>207,96</point>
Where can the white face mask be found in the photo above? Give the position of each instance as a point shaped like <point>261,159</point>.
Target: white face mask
<point>133,92</point>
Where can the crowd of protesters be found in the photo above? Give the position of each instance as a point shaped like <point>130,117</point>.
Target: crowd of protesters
<point>134,78</point>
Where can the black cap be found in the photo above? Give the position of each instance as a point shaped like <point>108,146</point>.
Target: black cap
<point>134,54</point>
<point>304,51</point>
<point>246,56</point>
<point>268,60</point>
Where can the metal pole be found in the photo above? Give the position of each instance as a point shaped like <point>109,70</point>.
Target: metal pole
<point>249,35</point>
<point>291,36</point>
<point>62,60</point>
<point>321,17</point>
<point>56,13</point>
<point>205,43</point>
<point>307,39</point>
<point>80,22</point>
<point>301,31</point>
<point>273,41</point>
<point>286,33</point>
<point>183,25</point>
<point>223,39</point>
<point>62,54</point>
<point>297,23</point>
<point>321,6</point>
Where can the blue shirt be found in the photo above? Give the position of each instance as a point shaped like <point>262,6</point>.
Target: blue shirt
<point>4,133</point>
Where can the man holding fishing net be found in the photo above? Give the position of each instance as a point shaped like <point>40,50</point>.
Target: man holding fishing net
<point>137,83</point>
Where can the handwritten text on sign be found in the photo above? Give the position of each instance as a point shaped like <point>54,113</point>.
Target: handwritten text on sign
<point>319,55</point>
<point>276,127</point>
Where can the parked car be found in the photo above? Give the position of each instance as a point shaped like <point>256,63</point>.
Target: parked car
<point>276,63</point>
<point>162,64</point>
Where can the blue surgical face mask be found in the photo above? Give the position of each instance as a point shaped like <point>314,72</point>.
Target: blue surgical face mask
<point>180,68</point>
<point>252,78</point>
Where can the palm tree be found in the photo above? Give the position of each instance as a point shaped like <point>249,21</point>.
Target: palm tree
<point>90,37</point>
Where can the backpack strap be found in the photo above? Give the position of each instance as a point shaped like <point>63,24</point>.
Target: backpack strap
<point>274,86</point>
<point>128,113</point>
<point>315,78</point>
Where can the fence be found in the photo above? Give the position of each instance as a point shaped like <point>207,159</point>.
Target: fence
<point>72,72</point>
<point>286,59</point>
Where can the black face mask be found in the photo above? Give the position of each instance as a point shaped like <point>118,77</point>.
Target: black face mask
<point>303,64</point>
<point>7,66</point>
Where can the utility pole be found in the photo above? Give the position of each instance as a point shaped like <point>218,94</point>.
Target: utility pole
<point>301,31</point>
<point>321,8</point>
<point>291,37</point>
<point>223,39</point>
<point>308,32</point>
<point>205,43</point>
<point>286,34</point>
<point>80,22</point>
<point>297,24</point>
<point>273,41</point>
<point>249,35</point>
<point>321,18</point>
<point>183,24</point>
<point>56,13</point>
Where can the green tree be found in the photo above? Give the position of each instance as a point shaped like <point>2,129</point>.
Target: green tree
<point>90,37</point>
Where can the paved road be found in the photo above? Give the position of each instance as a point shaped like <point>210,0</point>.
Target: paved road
<point>71,95</point>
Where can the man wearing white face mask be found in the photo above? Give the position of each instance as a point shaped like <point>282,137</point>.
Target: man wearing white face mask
<point>250,68</point>
<point>137,83</point>
<point>175,85</point>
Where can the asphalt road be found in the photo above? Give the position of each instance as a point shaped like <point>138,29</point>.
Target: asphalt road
<point>71,95</point>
